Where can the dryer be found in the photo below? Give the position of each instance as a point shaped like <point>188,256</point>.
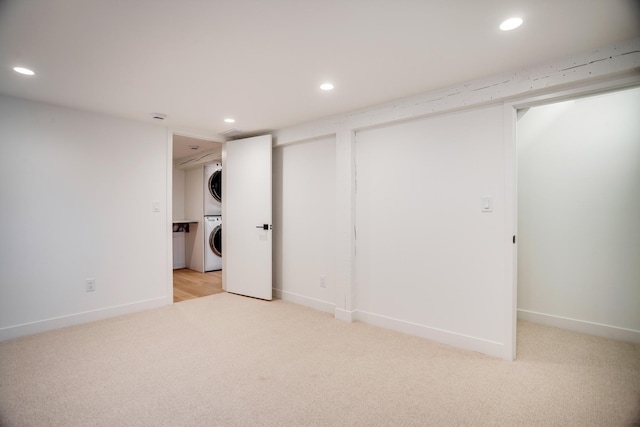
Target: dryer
<point>212,243</point>
<point>213,189</point>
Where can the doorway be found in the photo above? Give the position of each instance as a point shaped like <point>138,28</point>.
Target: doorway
<point>578,214</point>
<point>190,284</point>
<point>190,276</point>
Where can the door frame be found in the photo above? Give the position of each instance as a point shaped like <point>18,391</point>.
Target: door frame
<point>510,110</point>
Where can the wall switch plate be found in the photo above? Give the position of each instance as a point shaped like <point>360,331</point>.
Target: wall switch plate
<point>90,285</point>
<point>156,206</point>
<point>486,204</point>
<point>323,281</point>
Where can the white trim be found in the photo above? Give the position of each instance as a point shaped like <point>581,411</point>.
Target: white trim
<point>290,137</point>
<point>223,159</point>
<point>79,318</point>
<point>581,326</point>
<point>169,225</point>
<point>344,315</point>
<point>511,228</point>
<point>190,133</point>
<point>466,342</point>
<point>578,91</point>
<point>314,303</point>
<point>491,348</point>
<point>345,219</point>
<point>616,60</point>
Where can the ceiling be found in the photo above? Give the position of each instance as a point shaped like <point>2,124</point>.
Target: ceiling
<point>262,61</point>
<point>184,146</point>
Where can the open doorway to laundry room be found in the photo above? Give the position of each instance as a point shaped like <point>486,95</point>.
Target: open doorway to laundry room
<point>197,220</point>
<point>578,214</point>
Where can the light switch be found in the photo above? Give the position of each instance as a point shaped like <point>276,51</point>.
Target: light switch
<point>156,206</point>
<point>486,204</point>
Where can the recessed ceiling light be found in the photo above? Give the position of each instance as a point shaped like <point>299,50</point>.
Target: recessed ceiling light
<point>229,120</point>
<point>326,86</point>
<point>22,70</point>
<point>511,24</point>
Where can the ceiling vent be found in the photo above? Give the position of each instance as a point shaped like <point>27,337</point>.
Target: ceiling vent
<point>231,133</point>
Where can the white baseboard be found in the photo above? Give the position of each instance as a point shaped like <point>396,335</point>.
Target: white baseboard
<point>24,329</point>
<point>339,314</point>
<point>344,315</point>
<point>304,300</point>
<point>466,342</point>
<point>582,326</point>
<point>491,348</point>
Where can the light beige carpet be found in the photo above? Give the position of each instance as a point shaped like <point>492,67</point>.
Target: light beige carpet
<point>226,360</point>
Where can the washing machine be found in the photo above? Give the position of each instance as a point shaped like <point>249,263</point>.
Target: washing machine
<point>213,189</point>
<point>212,243</point>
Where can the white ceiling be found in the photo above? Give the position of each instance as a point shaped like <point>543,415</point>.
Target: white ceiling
<point>184,146</point>
<point>261,61</point>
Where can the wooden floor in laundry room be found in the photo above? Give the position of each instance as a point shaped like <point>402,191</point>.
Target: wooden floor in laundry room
<point>190,284</point>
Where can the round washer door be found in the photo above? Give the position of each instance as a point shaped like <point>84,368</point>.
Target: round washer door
<point>215,240</point>
<point>215,185</point>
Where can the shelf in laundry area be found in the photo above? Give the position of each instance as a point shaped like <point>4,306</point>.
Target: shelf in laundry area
<point>182,225</point>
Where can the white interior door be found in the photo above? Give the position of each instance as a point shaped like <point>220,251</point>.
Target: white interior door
<point>246,217</point>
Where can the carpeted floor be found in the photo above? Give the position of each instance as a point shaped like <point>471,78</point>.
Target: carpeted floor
<point>226,360</point>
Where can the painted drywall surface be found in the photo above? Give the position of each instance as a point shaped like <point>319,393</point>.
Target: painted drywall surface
<point>611,66</point>
<point>304,221</point>
<point>77,192</point>
<point>194,210</point>
<point>178,187</point>
<point>579,210</point>
<point>178,194</point>
<point>425,253</point>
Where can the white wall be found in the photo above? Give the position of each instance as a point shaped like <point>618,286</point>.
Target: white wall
<point>425,253</point>
<point>53,141</point>
<point>304,206</point>
<point>178,194</point>
<point>579,214</point>
<point>178,184</point>
<point>194,210</point>
<point>475,307</point>
<point>77,194</point>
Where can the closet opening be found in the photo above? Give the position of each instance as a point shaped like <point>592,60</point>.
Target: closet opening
<point>197,217</point>
<point>578,214</point>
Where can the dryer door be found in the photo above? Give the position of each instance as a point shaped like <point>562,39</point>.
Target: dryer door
<point>215,185</point>
<point>215,240</point>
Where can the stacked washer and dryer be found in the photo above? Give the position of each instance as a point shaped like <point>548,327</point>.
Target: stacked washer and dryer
<point>213,217</point>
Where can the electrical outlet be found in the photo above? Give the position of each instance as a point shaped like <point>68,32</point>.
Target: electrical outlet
<point>323,281</point>
<point>90,285</point>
